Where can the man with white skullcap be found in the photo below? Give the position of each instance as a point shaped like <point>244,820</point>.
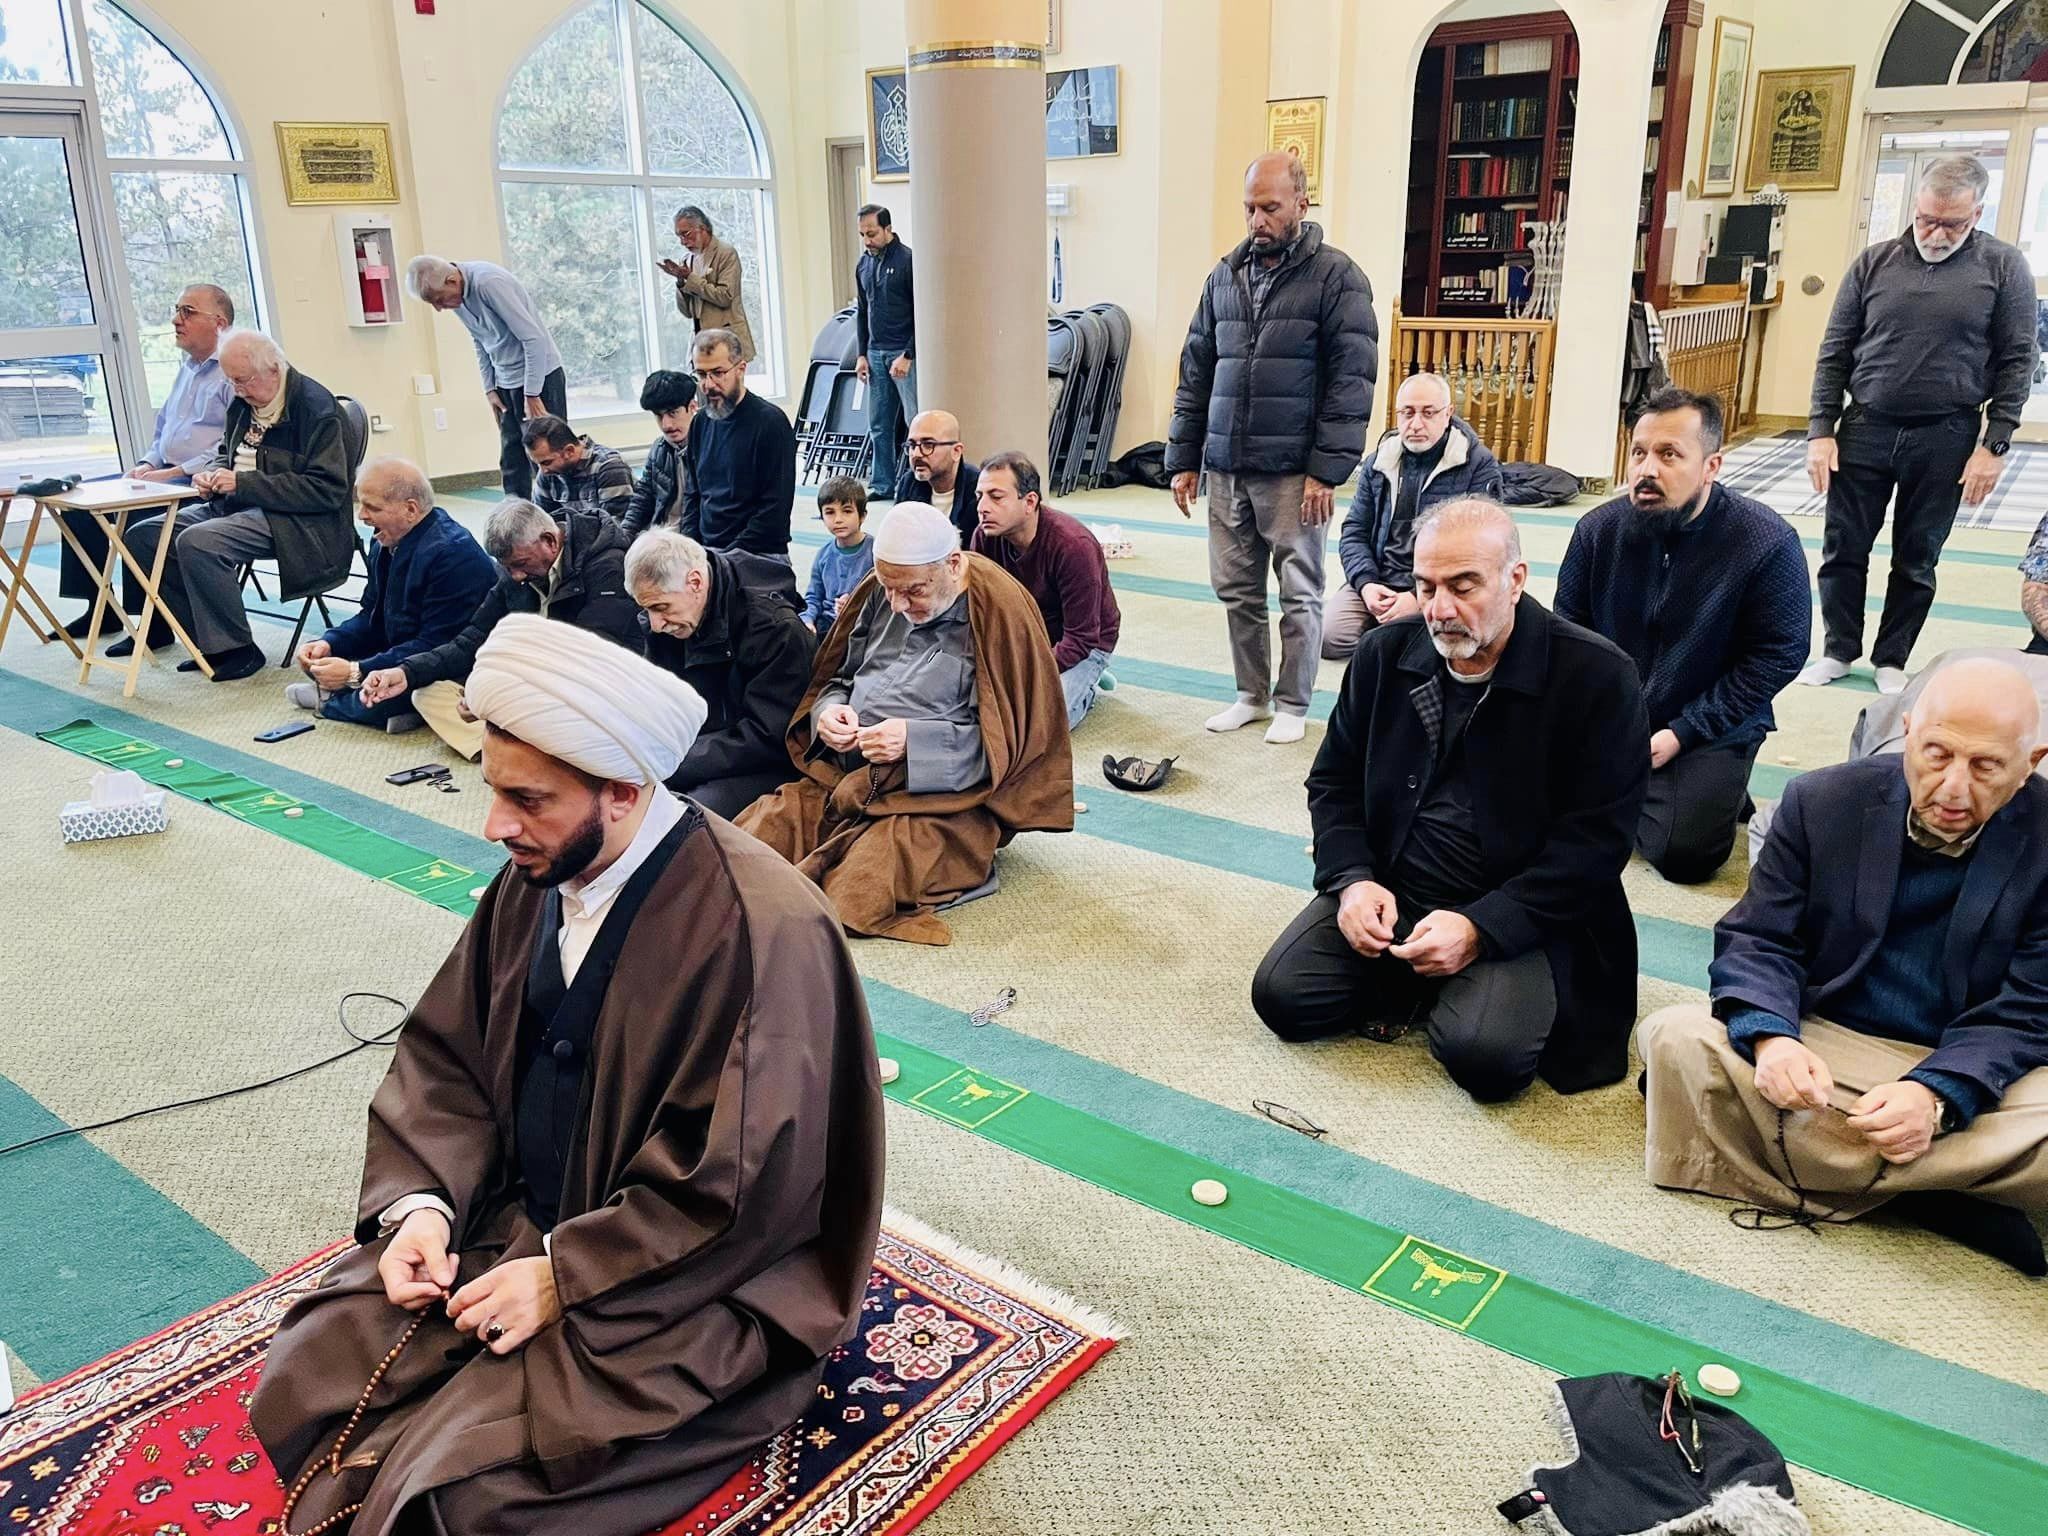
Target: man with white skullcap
<point>625,1170</point>
<point>934,698</point>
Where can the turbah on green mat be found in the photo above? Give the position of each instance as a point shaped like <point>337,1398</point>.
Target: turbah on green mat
<point>1981,1486</point>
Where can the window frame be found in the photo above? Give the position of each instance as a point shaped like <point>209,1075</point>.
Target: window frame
<point>135,423</point>
<point>645,185</point>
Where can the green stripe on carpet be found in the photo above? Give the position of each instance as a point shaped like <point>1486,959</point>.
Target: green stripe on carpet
<point>891,1009</point>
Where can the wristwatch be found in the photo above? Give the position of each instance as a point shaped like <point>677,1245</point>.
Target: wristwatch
<point>355,674</point>
<point>1944,1116</point>
<point>1998,447</point>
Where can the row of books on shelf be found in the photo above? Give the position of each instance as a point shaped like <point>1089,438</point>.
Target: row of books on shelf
<point>1505,229</point>
<point>1650,147</point>
<point>1491,175</point>
<point>1663,50</point>
<point>1507,283</point>
<point>1565,139</point>
<point>1509,56</point>
<point>1504,117</point>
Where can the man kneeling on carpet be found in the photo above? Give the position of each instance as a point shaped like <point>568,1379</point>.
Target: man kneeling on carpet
<point>625,1171</point>
<point>1472,820</point>
<point>721,620</point>
<point>570,567</point>
<point>427,574</point>
<point>1878,1026</point>
<point>934,731</point>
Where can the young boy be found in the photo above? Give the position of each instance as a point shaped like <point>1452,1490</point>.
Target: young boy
<point>843,504</point>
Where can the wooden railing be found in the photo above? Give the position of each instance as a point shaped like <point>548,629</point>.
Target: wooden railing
<point>1498,370</point>
<point>1703,350</point>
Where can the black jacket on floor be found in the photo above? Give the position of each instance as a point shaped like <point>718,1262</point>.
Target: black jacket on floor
<point>591,594</point>
<point>750,659</point>
<point>1554,804</point>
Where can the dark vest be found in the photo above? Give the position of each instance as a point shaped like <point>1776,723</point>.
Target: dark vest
<point>556,1022</point>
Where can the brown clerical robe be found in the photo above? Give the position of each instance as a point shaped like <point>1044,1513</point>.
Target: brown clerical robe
<point>718,1220</point>
<point>888,856</point>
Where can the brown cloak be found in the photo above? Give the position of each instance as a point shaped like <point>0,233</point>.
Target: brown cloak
<point>718,1219</point>
<point>887,863</point>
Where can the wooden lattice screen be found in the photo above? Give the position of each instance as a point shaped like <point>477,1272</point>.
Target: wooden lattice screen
<point>1499,372</point>
<point>1703,350</point>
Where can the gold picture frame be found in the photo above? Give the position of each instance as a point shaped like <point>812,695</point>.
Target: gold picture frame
<point>1734,41</point>
<point>1800,129</point>
<point>888,124</point>
<point>1294,126</point>
<point>337,163</point>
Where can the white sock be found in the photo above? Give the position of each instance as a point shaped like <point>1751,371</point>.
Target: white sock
<point>1819,674</point>
<point>1287,726</point>
<point>1891,679</point>
<point>1238,714</point>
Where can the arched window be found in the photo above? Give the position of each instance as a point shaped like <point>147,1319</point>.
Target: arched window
<point>612,123</point>
<point>179,183</point>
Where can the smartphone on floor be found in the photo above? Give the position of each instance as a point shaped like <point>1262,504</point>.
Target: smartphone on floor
<point>285,732</point>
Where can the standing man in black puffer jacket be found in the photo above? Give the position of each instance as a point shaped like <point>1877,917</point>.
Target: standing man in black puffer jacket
<point>1275,391</point>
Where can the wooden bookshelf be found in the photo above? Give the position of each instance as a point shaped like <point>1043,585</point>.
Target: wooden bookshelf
<point>1460,151</point>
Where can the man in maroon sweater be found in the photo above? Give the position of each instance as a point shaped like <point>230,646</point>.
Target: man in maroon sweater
<point>1060,563</point>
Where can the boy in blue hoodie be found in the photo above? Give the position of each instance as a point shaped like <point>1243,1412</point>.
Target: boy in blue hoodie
<point>843,506</point>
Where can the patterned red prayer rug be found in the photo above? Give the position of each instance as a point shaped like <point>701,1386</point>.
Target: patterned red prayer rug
<point>955,1354</point>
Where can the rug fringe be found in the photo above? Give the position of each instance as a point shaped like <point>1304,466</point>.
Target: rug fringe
<point>1002,1273</point>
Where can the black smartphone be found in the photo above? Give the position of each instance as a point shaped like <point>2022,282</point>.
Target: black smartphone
<point>285,732</point>
<point>414,775</point>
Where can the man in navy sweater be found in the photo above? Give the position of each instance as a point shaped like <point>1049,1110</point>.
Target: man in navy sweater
<point>1879,1020</point>
<point>740,457</point>
<point>1708,592</point>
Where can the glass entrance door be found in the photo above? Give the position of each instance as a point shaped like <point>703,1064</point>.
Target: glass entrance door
<point>60,411</point>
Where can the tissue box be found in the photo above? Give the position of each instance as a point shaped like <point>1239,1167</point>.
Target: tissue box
<point>1114,545</point>
<point>84,822</point>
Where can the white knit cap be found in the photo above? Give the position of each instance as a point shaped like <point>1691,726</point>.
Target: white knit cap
<point>579,697</point>
<point>916,533</point>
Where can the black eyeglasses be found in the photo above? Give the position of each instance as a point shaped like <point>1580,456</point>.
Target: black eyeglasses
<point>1293,1119</point>
<point>927,444</point>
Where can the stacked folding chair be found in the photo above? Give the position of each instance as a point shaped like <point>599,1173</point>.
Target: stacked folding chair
<point>832,360</point>
<point>1086,351</point>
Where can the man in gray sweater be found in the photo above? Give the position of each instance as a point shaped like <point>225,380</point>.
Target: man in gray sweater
<point>1927,330</point>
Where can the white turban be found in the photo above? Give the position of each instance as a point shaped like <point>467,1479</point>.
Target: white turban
<point>581,698</point>
<point>916,533</point>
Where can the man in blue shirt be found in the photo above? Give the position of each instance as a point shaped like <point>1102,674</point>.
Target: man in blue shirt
<point>427,576</point>
<point>188,433</point>
<point>1879,1018</point>
<point>522,371</point>
<point>885,322</point>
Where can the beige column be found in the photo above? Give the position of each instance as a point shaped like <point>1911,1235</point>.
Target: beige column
<point>977,199</point>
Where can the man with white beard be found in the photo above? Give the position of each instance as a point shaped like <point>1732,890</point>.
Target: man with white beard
<point>1933,339</point>
<point>1472,819</point>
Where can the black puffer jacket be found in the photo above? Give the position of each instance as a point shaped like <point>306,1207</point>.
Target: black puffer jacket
<point>1286,392</point>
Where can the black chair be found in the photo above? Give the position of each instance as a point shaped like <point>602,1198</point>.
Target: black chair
<point>810,409</point>
<point>840,446</point>
<point>355,438</point>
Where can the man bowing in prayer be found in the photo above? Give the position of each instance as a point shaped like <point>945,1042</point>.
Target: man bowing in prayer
<point>934,731</point>
<point>625,1172</point>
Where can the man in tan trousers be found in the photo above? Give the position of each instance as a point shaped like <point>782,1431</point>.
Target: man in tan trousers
<point>1879,1018</point>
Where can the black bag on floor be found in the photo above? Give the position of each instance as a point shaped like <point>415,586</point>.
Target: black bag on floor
<point>1144,465</point>
<point>1537,485</point>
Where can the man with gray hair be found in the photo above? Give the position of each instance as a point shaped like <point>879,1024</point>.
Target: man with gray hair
<point>427,574</point>
<point>1933,339</point>
<point>279,488</point>
<point>723,622</point>
<point>1275,390</point>
<point>1875,1029</point>
<point>1472,820</point>
<point>522,370</point>
<point>741,457</point>
<point>571,569</point>
<point>710,281</point>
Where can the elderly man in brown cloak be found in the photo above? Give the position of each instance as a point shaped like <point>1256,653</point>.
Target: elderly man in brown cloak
<point>934,731</point>
<point>625,1173</point>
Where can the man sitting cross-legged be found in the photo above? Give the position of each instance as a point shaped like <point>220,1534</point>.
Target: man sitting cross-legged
<point>934,732</point>
<point>571,568</point>
<point>427,574</point>
<point>624,1174</point>
<point>1472,820</point>
<point>1879,1019</point>
<point>721,620</point>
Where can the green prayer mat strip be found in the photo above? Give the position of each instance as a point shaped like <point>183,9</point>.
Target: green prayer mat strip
<point>443,883</point>
<point>1981,1487</point>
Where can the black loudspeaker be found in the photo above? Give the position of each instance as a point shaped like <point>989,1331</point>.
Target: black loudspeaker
<point>1746,231</point>
<point>1727,269</point>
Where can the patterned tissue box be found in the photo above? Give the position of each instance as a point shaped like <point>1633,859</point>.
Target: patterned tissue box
<point>84,822</point>
<point>1114,545</point>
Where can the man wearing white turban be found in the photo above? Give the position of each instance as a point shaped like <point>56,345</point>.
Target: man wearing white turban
<point>625,1170</point>
<point>934,731</point>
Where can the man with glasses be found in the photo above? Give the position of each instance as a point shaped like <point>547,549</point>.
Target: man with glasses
<point>741,458</point>
<point>1430,458</point>
<point>940,473</point>
<point>188,432</point>
<point>1927,331</point>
